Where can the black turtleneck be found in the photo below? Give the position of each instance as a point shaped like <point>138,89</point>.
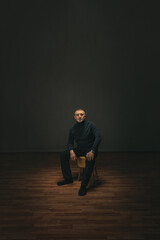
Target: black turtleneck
<point>86,136</point>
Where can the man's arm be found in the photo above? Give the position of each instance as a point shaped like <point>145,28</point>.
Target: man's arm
<point>70,143</point>
<point>94,148</point>
<point>97,140</point>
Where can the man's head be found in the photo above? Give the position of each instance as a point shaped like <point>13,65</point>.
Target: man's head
<point>79,115</point>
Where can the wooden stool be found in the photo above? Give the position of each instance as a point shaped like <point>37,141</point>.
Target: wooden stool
<point>81,162</point>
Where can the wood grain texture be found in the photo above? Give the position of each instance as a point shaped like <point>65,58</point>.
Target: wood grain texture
<point>124,205</point>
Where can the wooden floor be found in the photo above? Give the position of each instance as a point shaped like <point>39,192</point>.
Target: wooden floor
<point>125,204</point>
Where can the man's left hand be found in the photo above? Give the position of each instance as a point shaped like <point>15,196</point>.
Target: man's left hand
<point>90,156</point>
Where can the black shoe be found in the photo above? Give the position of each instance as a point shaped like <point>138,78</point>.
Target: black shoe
<point>65,182</point>
<point>82,191</point>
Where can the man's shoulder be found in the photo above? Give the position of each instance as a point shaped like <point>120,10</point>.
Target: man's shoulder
<point>73,126</point>
<point>91,123</point>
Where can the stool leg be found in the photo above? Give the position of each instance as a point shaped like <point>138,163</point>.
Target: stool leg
<point>79,174</point>
<point>96,174</point>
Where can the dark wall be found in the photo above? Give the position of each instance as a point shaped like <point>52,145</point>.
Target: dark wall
<point>99,55</point>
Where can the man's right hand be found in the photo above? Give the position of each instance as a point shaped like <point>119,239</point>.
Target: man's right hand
<point>73,156</point>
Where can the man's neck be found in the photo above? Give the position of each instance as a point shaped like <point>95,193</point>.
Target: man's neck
<point>80,123</point>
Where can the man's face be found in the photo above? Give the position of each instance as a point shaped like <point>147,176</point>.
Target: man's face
<point>79,116</point>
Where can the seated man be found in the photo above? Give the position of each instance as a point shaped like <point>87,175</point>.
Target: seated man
<point>88,138</point>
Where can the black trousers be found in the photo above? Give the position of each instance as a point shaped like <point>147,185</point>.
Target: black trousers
<point>65,165</point>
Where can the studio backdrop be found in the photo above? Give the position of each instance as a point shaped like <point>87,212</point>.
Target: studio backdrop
<point>58,56</point>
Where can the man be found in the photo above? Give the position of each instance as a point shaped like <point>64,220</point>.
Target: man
<point>87,138</point>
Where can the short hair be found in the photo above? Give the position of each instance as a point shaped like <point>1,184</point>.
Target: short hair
<point>79,109</point>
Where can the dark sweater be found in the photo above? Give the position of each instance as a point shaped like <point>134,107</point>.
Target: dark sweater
<point>86,136</point>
